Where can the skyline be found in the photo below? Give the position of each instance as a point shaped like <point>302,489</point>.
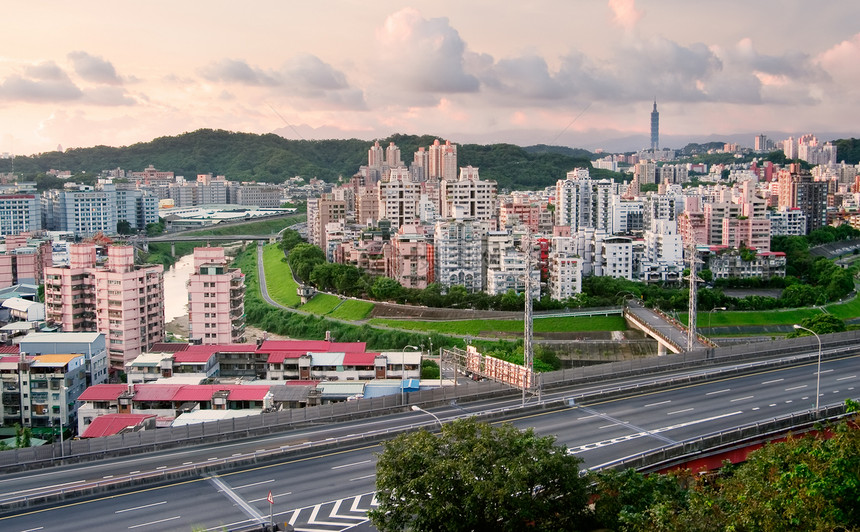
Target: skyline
<point>527,73</point>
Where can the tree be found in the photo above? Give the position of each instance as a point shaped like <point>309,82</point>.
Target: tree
<point>289,240</point>
<point>821,324</point>
<point>476,476</point>
<point>123,227</point>
<point>385,289</point>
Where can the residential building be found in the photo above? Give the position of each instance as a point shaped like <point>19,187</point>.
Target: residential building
<point>725,263</point>
<point>321,212</point>
<point>413,258</point>
<point>442,161</point>
<point>476,197</point>
<point>41,390</point>
<point>19,213</point>
<point>787,221</point>
<point>23,260</point>
<point>216,299</point>
<point>565,270</point>
<point>89,344</point>
<point>399,198</point>
<point>122,300</point>
<point>458,244</point>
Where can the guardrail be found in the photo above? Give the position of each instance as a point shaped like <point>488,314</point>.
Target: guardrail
<point>718,441</point>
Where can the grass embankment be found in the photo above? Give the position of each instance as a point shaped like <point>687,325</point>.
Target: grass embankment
<point>352,310</point>
<point>279,280</point>
<point>320,304</point>
<point>719,318</point>
<point>464,327</point>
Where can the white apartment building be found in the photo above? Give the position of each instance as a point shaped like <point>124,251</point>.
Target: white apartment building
<point>626,215</point>
<point>458,244</point>
<point>476,197</point>
<point>616,257</point>
<point>399,198</point>
<point>565,270</point>
<point>787,221</point>
<point>19,213</point>
<point>510,274</point>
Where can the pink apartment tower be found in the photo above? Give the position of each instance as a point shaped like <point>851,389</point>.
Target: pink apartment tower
<point>121,300</point>
<point>216,299</point>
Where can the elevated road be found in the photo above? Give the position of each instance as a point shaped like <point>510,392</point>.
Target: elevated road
<point>670,335</point>
<point>331,490</point>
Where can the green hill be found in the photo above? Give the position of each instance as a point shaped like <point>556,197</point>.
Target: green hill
<point>271,158</point>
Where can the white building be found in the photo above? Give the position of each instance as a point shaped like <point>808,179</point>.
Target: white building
<point>476,197</point>
<point>787,221</point>
<point>400,198</point>
<point>510,274</point>
<point>458,244</point>
<point>19,213</point>
<point>565,270</point>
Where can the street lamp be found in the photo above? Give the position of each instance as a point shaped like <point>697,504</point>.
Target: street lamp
<point>403,372</point>
<point>818,373</point>
<point>416,408</point>
<point>709,317</point>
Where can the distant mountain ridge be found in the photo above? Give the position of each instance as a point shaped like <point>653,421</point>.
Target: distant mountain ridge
<point>272,158</point>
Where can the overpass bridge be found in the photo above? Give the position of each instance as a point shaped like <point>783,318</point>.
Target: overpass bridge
<point>670,334</point>
<point>142,243</point>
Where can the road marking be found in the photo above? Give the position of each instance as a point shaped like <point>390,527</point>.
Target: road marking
<point>33,529</point>
<point>756,408</point>
<point>772,404</point>
<point>660,403</point>
<point>678,411</point>
<point>586,417</point>
<point>788,401</point>
<point>133,472</point>
<point>796,387</point>
<point>825,371</point>
<point>846,378</point>
<point>273,496</point>
<point>607,426</point>
<point>362,478</point>
<point>350,465</point>
<point>140,507</point>
<point>246,508</point>
<point>719,391</point>
<point>773,381</point>
<point>742,398</point>
<point>187,463</point>
<point>254,484</point>
<point>109,476</point>
<point>155,522</point>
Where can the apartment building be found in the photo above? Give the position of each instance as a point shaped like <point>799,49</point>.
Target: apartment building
<point>216,299</point>
<point>19,213</point>
<point>413,259</point>
<point>41,390</point>
<point>89,344</point>
<point>23,260</point>
<point>477,198</point>
<point>565,270</point>
<point>122,300</point>
<point>458,244</point>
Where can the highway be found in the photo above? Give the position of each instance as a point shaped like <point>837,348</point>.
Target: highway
<point>332,490</point>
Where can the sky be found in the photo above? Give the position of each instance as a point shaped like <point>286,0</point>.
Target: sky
<point>579,73</point>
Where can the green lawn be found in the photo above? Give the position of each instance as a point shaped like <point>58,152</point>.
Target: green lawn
<point>765,317</point>
<point>463,327</point>
<point>279,279</point>
<point>320,304</point>
<point>352,310</point>
<point>845,311</point>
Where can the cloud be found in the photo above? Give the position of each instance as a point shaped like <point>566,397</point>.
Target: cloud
<point>108,96</point>
<point>94,69</point>
<point>304,76</point>
<point>842,64</point>
<point>44,82</point>
<point>625,13</point>
<point>429,54</point>
<point>238,71</point>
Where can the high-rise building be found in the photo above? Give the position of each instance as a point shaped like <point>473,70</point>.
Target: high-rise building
<point>121,300</point>
<point>476,197</point>
<point>19,213</point>
<point>322,211</point>
<point>399,197</point>
<point>655,128</point>
<point>458,244</point>
<point>443,160</point>
<point>216,299</point>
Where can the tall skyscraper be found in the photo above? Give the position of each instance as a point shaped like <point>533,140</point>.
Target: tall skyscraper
<point>655,128</point>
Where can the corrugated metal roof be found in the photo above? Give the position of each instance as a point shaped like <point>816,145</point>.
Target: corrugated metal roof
<point>341,388</point>
<point>110,424</point>
<point>327,359</point>
<point>103,392</point>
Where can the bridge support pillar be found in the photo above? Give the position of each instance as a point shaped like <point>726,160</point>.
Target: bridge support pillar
<point>661,349</point>
<point>173,249</point>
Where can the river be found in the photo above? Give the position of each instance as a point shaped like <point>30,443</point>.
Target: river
<point>175,290</point>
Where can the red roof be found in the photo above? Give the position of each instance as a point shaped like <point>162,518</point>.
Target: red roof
<point>167,347</point>
<point>319,346</point>
<point>359,359</point>
<point>278,357</point>
<point>8,349</point>
<point>103,392</point>
<point>156,392</point>
<point>238,392</point>
<point>248,393</point>
<point>109,424</point>
<point>190,357</point>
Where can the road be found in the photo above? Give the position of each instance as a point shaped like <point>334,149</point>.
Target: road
<point>658,323</point>
<point>332,490</point>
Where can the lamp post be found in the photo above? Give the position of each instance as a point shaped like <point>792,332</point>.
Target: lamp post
<point>416,408</point>
<point>403,373</point>
<point>709,316</point>
<point>817,373</point>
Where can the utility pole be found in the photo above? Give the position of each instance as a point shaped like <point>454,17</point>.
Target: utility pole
<point>694,279</point>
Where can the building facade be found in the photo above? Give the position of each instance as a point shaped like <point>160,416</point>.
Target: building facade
<point>216,299</point>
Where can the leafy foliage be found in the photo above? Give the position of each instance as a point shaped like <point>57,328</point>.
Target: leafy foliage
<point>478,477</point>
<point>272,158</point>
<point>848,150</point>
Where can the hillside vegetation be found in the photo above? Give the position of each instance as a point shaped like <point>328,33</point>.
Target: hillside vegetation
<point>271,158</point>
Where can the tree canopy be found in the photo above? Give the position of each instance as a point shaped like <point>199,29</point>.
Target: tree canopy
<point>477,476</point>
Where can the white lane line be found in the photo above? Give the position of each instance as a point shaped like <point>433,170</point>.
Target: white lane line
<point>140,507</point>
<point>361,478</point>
<point>254,484</point>
<point>586,417</point>
<point>719,391</point>
<point>161,467</point>
<point>273,496</point>
<point>742,398</point>
<point>350,465</point>
<point>109,476</point>
<point>155,522</point>
<point>796,387</point>
<point>187,463</point>
<point>773,381</point>
<point>660,403</point>
<point>825,371</point>
<point>607,426</point>
<point>33,529</point>
<point>678,411</point>
<point>846,378</point>
<point>134,472</point>
<point>755,408</point>
<point>772,404</point>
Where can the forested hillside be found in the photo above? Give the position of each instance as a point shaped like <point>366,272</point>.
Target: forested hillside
<point>848,150</point>
<point>271,158</point>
